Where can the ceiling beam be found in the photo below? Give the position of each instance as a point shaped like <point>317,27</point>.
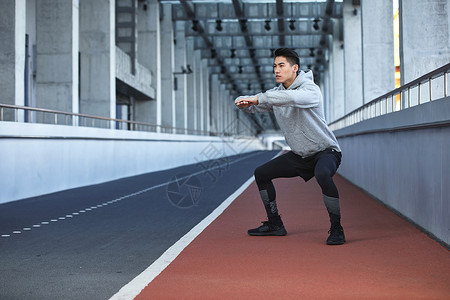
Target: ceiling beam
<point>237,4</point>
<point>187,8</point>
<point>280,21</point>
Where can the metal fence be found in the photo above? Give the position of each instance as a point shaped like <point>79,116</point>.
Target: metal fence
<point>17,113</point>
<point>428,87</point>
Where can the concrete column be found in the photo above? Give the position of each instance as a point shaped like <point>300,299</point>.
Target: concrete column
<point>206,96</point>
<point>98,58</point>
<point>424,39</point>
<point>191,87</point>
<point>352,57</point>
<point>337,100</point>
<point>12,54</point>
<point>149,56</point>
<point>378,48</point>
<point>215,100</point>
<point>199,90</point>
<point>224,109</point>
<point>57,54</point>
<point>181,91</point>
<point>167,58</point>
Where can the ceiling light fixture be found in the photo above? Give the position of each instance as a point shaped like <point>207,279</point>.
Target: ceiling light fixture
<point>316,24</point>
<point>195,25</point>
<point>292,25</point>
<point>219,25</point>
<point>267,26</point>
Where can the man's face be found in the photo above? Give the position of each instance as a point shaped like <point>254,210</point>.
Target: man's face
<point>284,72</point>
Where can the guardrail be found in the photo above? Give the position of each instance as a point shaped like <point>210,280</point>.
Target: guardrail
<point>17,113</point>
<point>398,99</point>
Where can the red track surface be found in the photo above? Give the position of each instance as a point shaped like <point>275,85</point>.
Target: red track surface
<point>385,257</point>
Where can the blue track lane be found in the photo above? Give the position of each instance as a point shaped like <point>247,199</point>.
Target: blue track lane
<point>87,243</point>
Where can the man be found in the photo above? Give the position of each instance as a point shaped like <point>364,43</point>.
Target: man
<point>298,107</point>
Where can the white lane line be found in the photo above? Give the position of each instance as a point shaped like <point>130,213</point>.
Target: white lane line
<point>135,286</point>
<point>144,191</point>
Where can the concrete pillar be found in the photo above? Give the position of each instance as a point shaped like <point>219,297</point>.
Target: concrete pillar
<point>378,48</point>
<point>181,86</point>
<point>206,96</point>
<point>30,56</point>
<point>167,57</point>
<point>57,54</point>
<point>98,58</point>
<point>199,90</point>
<point>190,85</point>
<point>149,56</point>
<point>352,57</point>
<point>337,84</point>
<point>12,54</point>
<point>224,108</point>
<point>215,100</point>
<point>424,39</point>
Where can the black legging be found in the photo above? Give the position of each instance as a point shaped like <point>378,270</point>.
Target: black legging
<point>322,165</point>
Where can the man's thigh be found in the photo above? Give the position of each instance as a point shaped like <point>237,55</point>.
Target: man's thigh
<point>286,166</point>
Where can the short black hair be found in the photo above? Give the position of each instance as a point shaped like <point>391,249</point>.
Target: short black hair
<point>291,56</point>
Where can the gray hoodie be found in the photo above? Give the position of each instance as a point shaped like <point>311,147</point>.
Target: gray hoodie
<point>299,112</point>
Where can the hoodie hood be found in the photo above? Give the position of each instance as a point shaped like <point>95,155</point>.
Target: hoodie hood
<point>302,77</point>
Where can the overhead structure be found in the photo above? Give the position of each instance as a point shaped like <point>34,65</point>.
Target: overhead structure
<point>238,37</point>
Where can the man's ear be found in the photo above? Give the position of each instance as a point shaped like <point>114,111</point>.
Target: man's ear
<point>295,68</point>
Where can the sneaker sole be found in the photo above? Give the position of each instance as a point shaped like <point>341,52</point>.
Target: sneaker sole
<point>336,243</point>
<point>267,234</point>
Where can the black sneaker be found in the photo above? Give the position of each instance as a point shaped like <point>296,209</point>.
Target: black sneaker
<point>337,236</point>
<point>268,228</point>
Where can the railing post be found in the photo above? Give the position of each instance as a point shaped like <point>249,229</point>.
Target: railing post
<point>418,97</point>
<point>429,83</point>
<point>445,84</point>
<point>409,97</point>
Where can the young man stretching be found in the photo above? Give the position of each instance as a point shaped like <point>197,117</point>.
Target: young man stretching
<point>298,107</point>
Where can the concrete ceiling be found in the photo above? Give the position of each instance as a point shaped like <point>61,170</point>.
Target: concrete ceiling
<point>238,38</point>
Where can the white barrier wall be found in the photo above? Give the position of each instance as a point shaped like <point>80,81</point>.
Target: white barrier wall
<point>38,159</point>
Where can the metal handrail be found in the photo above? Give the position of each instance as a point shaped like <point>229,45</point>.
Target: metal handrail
<point>376,108</point>
<point>74,119</point>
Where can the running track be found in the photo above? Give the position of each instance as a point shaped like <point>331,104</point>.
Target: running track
<point>134,221</point>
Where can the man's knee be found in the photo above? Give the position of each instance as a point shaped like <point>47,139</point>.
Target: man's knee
<point>322,175</point>
<point>261,173</point>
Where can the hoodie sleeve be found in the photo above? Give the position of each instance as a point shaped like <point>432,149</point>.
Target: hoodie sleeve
<point>260,108</point>
<point>307,96</point>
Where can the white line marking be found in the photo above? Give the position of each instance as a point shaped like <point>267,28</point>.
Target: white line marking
<point>147,189</point>
<point>135,286</point>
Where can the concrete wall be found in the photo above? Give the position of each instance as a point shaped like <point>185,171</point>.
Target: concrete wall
<point>39,158</point>
<point>378,48</point>
<point>404,162</point>
<point>57,28</point>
